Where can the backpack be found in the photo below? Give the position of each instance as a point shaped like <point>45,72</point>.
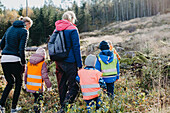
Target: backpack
<point>56,46</point>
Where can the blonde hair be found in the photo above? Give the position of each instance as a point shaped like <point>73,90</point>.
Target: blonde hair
<point>70,16</point>
<point>26,19</point>
<point>109,42</point>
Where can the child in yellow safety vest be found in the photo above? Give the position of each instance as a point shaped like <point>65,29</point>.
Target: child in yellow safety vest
<point>107,62</point>
<point>90,82</point>
<point>36,73</point>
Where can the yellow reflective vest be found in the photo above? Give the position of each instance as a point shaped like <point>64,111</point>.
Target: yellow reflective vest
<point>110,68</point>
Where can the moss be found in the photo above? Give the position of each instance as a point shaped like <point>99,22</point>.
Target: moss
<point>127,61</point>
<point>137,60</point>
<point>141,56</point>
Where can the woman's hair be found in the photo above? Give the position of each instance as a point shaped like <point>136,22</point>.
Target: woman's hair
<point>26,19</point>
<point>70,16</point>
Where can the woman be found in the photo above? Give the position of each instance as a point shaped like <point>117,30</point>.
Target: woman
<point>66,70</point>
<point>13,61</point>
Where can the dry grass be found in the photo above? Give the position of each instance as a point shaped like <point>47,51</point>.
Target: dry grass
<point>151,33</point>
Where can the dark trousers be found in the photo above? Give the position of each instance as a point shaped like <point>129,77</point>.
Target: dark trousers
<point>68,88</point>
<point>37,98</point>
<point>110,89</point>
<point>90,103</point>
<point>13,74</point>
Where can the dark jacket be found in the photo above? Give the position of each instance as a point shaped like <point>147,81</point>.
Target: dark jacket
<point>14,40</point>
<point>72,40</point>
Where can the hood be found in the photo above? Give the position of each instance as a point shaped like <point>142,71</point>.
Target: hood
<point>62,24</point>
<point>19,23</point>
<point>106,56</point>
<point>36,58</point>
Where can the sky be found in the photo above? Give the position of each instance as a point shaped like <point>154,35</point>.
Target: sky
<point>16,4</point>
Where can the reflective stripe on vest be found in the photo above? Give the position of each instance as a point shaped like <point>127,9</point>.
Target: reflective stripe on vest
<point>33,84</point>
<point>91,93</point>
<point>90,86</point>
<point>110,68</point>
<point>34,77</point>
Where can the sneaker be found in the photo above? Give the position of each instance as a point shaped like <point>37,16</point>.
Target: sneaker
<point>16,109</point>
<point>2,109</point>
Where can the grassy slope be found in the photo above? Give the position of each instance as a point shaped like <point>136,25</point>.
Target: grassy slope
<point>137,34</point>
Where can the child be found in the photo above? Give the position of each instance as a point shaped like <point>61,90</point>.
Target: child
<point>108,64</point>
<point>111,48</point>
<point>35,74</point>
<point>89,81</point>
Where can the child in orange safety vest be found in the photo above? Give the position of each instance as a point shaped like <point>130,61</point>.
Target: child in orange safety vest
<point>36,73</point>
<point>113,49</point>
<point>90,82</point>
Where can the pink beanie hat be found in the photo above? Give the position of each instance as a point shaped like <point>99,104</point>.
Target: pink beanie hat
<point>41,51</point>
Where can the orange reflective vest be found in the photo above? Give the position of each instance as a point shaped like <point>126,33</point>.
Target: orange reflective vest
<point>34,77</point>
<point>89,81</point>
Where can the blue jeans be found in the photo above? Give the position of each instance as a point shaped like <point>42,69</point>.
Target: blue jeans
<point>90,103</point>
<point>110,89</point>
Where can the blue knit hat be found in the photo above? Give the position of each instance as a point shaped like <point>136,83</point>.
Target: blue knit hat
<point>104,45</point>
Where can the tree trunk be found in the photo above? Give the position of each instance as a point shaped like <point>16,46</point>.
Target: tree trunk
<point>134,8</point>
<point>115,11</point>
<point>141,8</point>
<point>144,8</point>
<point>122,8</point>
<point>117,6</point>
<point>127,9</point>
<point>163,6</point>
<point>150,7</point>
<point>147,7</point>
<point>158,6</point>
<point>138,8</point>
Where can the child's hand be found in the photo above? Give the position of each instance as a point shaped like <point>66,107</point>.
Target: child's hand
<point>104,90</point>
<point>49,89</point>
